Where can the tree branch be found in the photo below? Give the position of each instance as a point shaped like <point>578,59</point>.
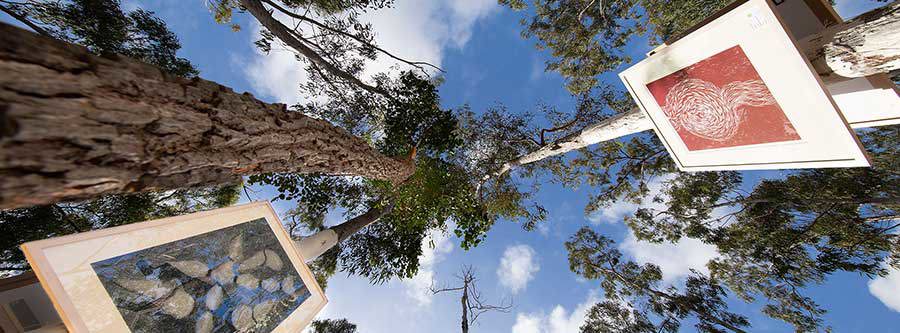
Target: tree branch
<point>26,21</point>
<point>287,12</point>
<point>256,8</point>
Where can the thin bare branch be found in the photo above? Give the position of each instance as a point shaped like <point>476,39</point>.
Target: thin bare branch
<point>26,21</point>
<point>417,64</point>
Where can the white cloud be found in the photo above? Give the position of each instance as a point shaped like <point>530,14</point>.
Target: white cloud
<point>558,321</point>
<point>411,29</point>
<point>674,260</point>
<point>527,323</point>
<point>417,286</point>
<point>517,266</point>
<point>277,75</point>
<point>887,289</point>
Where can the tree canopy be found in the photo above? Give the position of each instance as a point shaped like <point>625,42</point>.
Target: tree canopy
<point>399,113</point>
<point>333,326</point>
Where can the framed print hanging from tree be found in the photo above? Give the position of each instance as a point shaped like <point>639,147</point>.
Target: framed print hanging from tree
<point>736,93</point>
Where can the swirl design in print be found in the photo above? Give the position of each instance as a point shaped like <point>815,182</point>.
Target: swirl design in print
<point>722,102</point>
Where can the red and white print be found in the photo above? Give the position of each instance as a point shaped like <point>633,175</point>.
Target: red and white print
<point>721,102</point>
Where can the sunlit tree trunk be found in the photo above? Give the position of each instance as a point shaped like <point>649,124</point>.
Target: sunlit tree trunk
<point>74,126</point>
<point>315,245</point>
<point>866,45</point>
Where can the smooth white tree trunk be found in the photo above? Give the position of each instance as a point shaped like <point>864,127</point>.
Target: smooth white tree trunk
<point>314,246</point>
<point>620,125</point>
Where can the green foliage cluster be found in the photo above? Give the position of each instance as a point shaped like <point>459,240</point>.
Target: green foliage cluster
<point>333,326</point>
<point>439,192</point>
<point>785,235</point>
<point>588,38</point>
<point>634,297</point>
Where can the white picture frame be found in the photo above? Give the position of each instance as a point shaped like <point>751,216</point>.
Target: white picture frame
<point>810,132</point>
<point>88,275</point>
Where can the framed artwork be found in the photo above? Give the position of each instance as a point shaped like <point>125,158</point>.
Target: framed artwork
<point>737,94</point>
<point>227,270</point>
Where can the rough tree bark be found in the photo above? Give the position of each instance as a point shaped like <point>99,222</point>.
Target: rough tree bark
<point>74,125</point>
<point>866,45</point>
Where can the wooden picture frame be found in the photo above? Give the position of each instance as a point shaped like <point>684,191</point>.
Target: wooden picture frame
<point>735,93</point>
<point>95,278</point>
<point>807,17</point>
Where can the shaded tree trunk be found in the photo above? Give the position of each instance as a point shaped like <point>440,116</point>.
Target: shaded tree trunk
<point>74,125</point>
<point>464,301</point>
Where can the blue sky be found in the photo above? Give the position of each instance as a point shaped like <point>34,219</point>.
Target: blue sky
<point>479,45</point>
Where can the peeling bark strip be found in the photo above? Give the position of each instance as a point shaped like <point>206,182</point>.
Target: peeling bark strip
<point>866,45</point>
<point>75,125</point>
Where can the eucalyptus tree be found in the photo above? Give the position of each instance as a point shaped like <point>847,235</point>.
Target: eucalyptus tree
<point>774,241</point>
<point>784,235</point>
<point>636,299</point>
<point>399,114</point>
<point>388,224</point>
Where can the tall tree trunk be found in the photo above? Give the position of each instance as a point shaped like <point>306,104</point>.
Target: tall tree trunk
<point>313,246</point>
<point>74,125</point>
<point>620,125</point>
<point>464,300</point>
<point>866,45</point>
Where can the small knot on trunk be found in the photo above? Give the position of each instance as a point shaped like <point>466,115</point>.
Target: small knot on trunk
<point>8,126</point>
